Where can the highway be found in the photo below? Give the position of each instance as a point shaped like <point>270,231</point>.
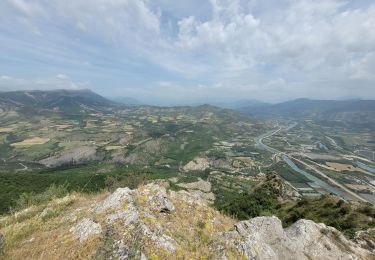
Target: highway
<point>259,140</point>
<point>276,152</point>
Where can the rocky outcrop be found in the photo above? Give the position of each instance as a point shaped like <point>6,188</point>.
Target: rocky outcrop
<point>158,199</point>
<point>366,239</point>
<point>115,200</point>
<point>162,241</point>
<point>198,191</point>
<point>258,238</point>
<point>153,222</point>
<point>112,247</point>
<point>272,184</point>
<point>202,185</point>
<point>85,229</point>
<point>72,156</point>
<point>265,238</point>
<point>129,216</point>
<point>126,206</point>
<point>197,164</point>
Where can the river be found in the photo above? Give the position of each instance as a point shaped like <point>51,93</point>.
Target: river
<point>365,167</point>
<point>318,182</point>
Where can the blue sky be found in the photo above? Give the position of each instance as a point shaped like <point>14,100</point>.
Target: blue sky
<point>191,51</point>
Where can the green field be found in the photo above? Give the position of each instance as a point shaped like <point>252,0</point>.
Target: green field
<point>287,173</point>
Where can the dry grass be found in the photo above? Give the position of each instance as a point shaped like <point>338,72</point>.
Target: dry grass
<point>195,228</point>
<point>341,166</point>
<point>6,130</point>
<point>31,141</point>
<point>358,187</point>
<point>113,147</point>
<point>30,236</point>
<point>61,127</point>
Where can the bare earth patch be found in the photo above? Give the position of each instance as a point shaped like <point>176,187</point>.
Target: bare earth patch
<point>75,155</point>
<point>343,167</point>
<point>6,130</point>
<point>63,126</point>
<point>113,147</point>
<point>31,141</point>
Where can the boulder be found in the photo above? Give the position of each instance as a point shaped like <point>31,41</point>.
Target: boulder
<point>85,229</point>
<point>166,206</point>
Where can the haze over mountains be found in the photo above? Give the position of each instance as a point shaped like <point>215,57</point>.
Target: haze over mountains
<point>59,100</point>
<point>353,112</point>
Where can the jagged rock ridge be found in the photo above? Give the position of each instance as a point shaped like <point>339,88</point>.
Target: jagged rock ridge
<point>152,222</point>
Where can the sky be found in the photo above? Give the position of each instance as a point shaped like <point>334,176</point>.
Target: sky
<point>191,50</point>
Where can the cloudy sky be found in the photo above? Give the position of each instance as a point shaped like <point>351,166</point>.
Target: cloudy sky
<point>191,50</point>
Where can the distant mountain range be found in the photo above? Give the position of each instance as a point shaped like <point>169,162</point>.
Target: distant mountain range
<point>239,104</point>
<point>360,113</point>
<point>57,100</point>
<point>354,113</point>
<point>128,101</point>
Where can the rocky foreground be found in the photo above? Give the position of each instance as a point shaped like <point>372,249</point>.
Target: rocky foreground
<point>153,223</point>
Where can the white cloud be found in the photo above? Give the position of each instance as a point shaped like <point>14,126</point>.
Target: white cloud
<point>61,81</point>
<point>25,7</point>
<point>5,77</point>
<point>62,76</point>
<point>245,47</point>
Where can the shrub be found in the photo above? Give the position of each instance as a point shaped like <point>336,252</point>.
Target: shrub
<point>368,210</point>
<point>246,205</point>
<point>344,210</point>
<point>28,199</point>
<point>201,224</point>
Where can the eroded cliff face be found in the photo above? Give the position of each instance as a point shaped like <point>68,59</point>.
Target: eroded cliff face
<point>152,222</point>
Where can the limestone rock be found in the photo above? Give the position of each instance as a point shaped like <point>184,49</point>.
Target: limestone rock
<point>264,238</point>
<point>166,206</point>
<point>199,192</point>
<point>112,246</point>
<point>161,240</point>
<point>76,155</point>
<point>116,199</point>
<point>366,239</point>
<point>129,216</point>
<point>202,185</point>
<point>197,164</point>
<point>158,198</point>
<point>85,229</point>
<point>195,197</point>
<point>130,222</point>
